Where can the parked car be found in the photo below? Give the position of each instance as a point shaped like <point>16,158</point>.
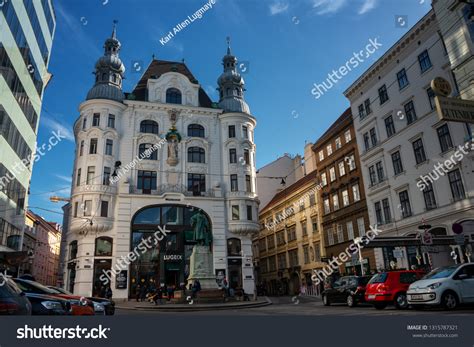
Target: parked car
<point>48,305</point>
<point>447,286</point>
<point>101,305</point>
<point>79,306</point>
<point>12,300</point>
<point>348,289</point>
<point>391,287</point>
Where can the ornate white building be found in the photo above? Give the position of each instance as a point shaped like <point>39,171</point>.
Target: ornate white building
<point>208,163</point>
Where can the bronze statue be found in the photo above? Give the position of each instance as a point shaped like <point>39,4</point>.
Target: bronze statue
<point>200,225</point>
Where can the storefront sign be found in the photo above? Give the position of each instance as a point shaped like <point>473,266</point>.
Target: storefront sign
<point>121,280</point>
<point>441,86</point>
<point>455,110</point>
<point>172,257</point>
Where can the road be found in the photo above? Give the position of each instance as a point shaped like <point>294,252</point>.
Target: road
<point>308,307</point>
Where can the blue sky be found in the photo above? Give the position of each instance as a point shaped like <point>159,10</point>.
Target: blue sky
<point>288,44</point>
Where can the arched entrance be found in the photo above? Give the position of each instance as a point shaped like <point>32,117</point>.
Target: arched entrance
<point>166,261</point>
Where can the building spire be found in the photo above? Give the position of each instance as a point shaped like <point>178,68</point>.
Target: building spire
<point>228,46</point>
<point>114,29</point>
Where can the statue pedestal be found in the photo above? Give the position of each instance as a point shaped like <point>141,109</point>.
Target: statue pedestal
<point>201,268</point>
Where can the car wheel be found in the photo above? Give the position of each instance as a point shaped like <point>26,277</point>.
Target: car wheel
<point>380,306</point>
<point>449,300</point>
<point>401,301</point>
<point>351,302</point>
<point>326,300</point>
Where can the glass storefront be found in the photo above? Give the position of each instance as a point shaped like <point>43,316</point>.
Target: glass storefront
<point>167,261</point>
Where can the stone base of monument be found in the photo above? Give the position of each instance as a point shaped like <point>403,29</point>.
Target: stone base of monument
<point>206,296</point>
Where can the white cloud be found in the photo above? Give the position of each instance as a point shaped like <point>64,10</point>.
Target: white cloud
<point>367,6</point>
<point>58,127</point>
<point>278,7</point>
<point>64,178</point>
<point>328,6</point>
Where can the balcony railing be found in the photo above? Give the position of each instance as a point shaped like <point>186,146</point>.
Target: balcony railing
<point>170,188</point>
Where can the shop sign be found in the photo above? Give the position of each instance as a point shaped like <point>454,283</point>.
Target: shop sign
<point>121,280</point>
<point>455,110</point>
<point>173,257</point>
<point>427,238</point>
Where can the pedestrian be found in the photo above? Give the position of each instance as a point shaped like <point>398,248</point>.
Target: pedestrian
<point>102,291</point>
<point>137,292</point>
<point>158,296</point>
<point>143,291</point>
<point>108,293</point>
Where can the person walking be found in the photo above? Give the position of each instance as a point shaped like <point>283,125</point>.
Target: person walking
<point>143,291</point>
<point>108,293</point>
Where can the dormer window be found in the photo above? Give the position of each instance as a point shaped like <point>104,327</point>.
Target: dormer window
<point>104,76</point>
<point>173,96</point>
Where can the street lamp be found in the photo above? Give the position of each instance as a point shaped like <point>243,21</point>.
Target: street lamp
<point>357,241</point>
<point>55,198</point>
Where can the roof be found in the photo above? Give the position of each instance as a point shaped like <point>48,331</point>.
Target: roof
<point>160,67</point>
<point>45,224</point>
<point>332,129</point>
<point>282,195</point>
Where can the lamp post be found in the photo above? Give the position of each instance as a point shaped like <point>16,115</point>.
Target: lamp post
<point>357,241</point>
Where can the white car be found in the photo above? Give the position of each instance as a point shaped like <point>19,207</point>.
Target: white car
<point>446,286</point>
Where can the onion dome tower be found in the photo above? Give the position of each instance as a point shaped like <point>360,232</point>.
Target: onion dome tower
<point>231,85</point>
<point>109,71</point>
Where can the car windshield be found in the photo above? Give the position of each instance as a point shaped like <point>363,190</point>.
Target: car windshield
<point>60,290</point>
<point>379,278</point>
<point>35,287</point>
<point>441,272</point>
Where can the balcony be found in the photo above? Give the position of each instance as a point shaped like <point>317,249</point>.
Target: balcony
<point>171,188</point>
<point>244,227</point>
<point>82,225</point>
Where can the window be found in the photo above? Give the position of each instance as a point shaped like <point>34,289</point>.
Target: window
<point>330,236</point>
<point>373,137</point>
<point>410,112</point>
<point>345,197</point>
<point>235,212</point>
<point>149,126</point>
<point>312,199</point>
<point>314,224</point>
<point>321,155</point>
<point>103,247</point>
<point>271,242</point>
<point>84,123</point>
<point>108,146</point>
<point>317,251</point>
<point>249,212</point>
<point>245,132</point>
<point>147,151</point>
<point>352,164</point>
<point>389,126</point>
<point>431,98</point>
<point>111,121</point>
<point>424,60</point>
<point>302,206</point>
<point>332,174</point>
<point>146,181</point>
<point>368,110</point>
<point>231,131</point>
<point>327,208</point>
<point>306,254</point>
<point>78,177</point>
<point>419,151</point>
<point>281,260</point>
<point>232,155</point>
<point>402,79</point>
<point>76,208</point>
<point>248,184</point>
<point>347,136</point>
<point>291,232</point>
<point>444,138</point>
<point>324,180</point>
<point>366,142</point>
<point>87,208</point>
<point>378,212</point>
<point>104,208</point>
<point>355,192</point>
<point>246,157</point>
<point>234,186</point>
<point>90,174</point>
<point>397,163</point>
<point>335,201</point>
<point>457,188</point>
<point>386,210</point>
<point>173,96</point>
<point>428,195</point>
<point>73,250</point>
<point>380,174</point>
<point>372,176</point>
<point>293,255</point>
<point>196,183</point>
<point>96,120</point>
<point>361,111</point>
<point>106,177</point>
<point>195,130</point>
<point>93,146</point>
<point>361,226</point>
<point>338,143</point>
<point>196,155</point>
<point>304,228</point>
<point>340,234</point>
<point>342,168</point>
<point>383,96</point>
<point>329,149</point>
<point>262,246</point>
<point>350,231</point>
<point>81,148</point>
<point>405,204</point>
<point>280,238</point>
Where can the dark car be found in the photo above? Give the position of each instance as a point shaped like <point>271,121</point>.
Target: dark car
<point>12,300</point>
<point>347,289</point>
<point>108,305</point>
<point>47,305</point>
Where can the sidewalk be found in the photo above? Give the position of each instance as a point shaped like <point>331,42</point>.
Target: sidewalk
<point>171,307</point>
